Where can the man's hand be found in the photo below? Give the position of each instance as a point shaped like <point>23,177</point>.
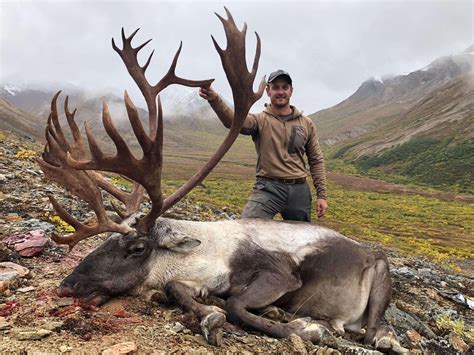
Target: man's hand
<point>321,207</point>
<point>208,93</point>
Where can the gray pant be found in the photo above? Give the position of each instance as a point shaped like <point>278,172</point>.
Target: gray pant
<point>271,197</point>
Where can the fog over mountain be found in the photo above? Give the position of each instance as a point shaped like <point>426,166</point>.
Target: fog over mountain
<point>328,47</point>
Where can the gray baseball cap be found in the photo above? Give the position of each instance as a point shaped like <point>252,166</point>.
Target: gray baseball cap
<point>277,74</point>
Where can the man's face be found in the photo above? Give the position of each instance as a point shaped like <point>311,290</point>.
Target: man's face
<point>279,91</point>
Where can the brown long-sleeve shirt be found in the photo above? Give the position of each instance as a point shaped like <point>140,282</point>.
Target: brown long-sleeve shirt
<point>281,144</point>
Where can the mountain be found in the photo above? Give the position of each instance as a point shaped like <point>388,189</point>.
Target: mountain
<point>19,121</point>
<point>418,126</point>
<point>192,131</point>
<point>382,101</point>
<point>182,107</point>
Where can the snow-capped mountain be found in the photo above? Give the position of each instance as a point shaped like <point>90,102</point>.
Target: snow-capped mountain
<point>384,100</point>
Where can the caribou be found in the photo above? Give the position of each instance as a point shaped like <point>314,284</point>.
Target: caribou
<point>315,281</point>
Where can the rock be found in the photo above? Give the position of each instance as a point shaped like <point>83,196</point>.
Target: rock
<point>25,289</point>
<point>414,338</point>
<point>297,344</point>
<point>4,252</point>
<point>410,309</point>
<point>33,244</point>
<point>4,285</point>
<point>65,348</point>
<point>178,327</point>
<point>457,343</point>
<point>52,325</point>
<point>405,272</point>
<point>405,322</point>
<point>10,273</point>
<point>125,348</point>
<point>64,302</point>
<point>8,266</point>
<point>326,351</point>
<point>197,338</point>
<point>246,340</point>
<point>4,325</point>
<point>32,334</point>
<point>28,244</point>
<point>37,224</point>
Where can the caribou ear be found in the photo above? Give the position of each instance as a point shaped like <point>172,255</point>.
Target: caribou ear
<point>179,245</point>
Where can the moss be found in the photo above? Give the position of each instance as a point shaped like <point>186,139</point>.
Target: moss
<point>61,225</point>
<point>446,164</point>
<point>25,154</point>
<point>448,325</point>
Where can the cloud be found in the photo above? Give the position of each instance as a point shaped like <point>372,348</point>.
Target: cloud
<point>328,47</point>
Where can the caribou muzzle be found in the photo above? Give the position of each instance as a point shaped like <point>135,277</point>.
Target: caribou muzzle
<point>87,292</point>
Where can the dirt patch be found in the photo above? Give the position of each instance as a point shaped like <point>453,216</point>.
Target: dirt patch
<point>372,185</point>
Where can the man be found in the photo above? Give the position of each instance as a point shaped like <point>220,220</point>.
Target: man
<point>282,135</point>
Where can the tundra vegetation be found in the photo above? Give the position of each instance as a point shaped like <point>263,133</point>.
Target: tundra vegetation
<point>443,163</point>
<point>419,225</point>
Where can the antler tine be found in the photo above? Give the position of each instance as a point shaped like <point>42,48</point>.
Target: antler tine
<point>131,200</point>
<point>137,72</point>
<point>55,119</point>
<point>77,150</point>
<point>241,82</point>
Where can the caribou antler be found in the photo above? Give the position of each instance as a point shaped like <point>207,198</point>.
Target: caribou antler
<point>147,171</point>
<point>241,83</point>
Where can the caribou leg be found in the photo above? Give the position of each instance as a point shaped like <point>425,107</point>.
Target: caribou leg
<point>382,336</point>
<point>260,293</point>
<point>212,318</point>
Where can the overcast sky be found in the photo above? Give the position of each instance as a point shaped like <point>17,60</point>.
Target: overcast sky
<point>328,47</point>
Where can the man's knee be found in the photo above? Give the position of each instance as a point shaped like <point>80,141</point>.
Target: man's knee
<point>256,209</point>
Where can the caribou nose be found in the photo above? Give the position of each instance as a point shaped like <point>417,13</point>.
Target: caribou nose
<point>69,286</point>
<point>64,291</point>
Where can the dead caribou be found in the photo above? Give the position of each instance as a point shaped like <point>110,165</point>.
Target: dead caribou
<point>321,279</point>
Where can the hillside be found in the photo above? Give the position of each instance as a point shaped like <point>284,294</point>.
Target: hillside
<point>15,120</point>
<point>414,128</point>
<point>379,102</point>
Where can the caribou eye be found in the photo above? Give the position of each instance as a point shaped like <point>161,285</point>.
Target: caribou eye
<point>137,248</point>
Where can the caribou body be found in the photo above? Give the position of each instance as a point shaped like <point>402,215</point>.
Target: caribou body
<point>320,280</point>
<point>309,271</point>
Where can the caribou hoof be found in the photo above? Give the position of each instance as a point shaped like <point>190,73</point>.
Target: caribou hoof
<point>211,327</point>
<point>386,340</point>
<point>274,313</point>
<point>313,331</point>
